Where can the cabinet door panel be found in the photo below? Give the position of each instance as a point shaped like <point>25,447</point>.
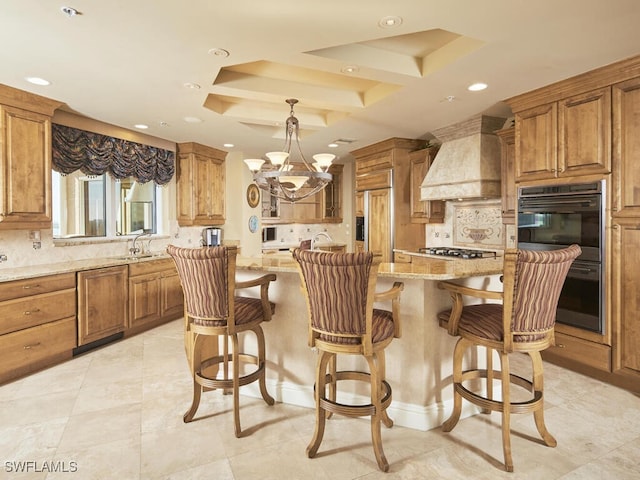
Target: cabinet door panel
<point>102,303</point>
<point>171,295</point>
<point>536,143</point>
<point>626,296</point>
<point>585,134</point>
<point>626,145</point>
<point>26,165</point>
<point>379,224</point>
<point>144,299</point>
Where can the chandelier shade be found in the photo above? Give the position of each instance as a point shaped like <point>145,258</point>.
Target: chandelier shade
<point>288,175</point>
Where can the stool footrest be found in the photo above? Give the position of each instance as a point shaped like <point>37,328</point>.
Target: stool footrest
<point>213,383</point>
<point>355,410</point>
<point>526,406</point>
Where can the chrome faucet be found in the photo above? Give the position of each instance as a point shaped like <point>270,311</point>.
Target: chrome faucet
<point>135,250</point>
<point>314,239</point>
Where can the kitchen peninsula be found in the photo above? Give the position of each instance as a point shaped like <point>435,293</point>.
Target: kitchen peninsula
<point>424,351</point>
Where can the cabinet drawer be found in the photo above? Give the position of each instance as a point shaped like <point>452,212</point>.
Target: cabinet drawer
<point>34,286</point>
<point>35,310</point>
<point>373,181</point>
<point>151,266</point>
<point>401,257</point>
<point>380,161</point>
<point>33,348</point>
<point>581,351</point>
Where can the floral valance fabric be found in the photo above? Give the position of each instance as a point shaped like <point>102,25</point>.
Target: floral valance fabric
<point>95,154</point>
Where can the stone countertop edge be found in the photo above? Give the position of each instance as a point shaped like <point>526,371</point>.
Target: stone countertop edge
<point>433,270</point>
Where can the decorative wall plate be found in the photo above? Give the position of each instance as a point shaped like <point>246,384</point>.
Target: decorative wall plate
<point>253,195</point>
<point>253,224</point>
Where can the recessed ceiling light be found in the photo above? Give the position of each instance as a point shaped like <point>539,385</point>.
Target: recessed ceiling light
<point>70,11</point>
<point>219,52</point>
<point>192,120</point>
<point>333,145</point>
<point>164,124</point>
<point>38,81</point>
<point>350,69</point>
<point>191,85</point>
<point>229,145</point>
<point>141,126</point>
<point>390,21</point>
<point>476,87</point>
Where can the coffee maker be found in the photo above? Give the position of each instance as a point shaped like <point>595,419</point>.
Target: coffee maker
<point>212,237</point>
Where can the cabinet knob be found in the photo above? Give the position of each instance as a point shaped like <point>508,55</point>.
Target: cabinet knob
<point>33,345</point>
<point>614,209</point>
<point>29,312</point>
<point>29,287</point>
<point>560,345</point>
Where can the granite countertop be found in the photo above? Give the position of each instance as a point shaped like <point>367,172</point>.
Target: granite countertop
<point>276,245</point>
<point>33,271</point>
<point>433,269</point>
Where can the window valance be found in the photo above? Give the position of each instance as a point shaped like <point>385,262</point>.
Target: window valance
<point>94,154</point>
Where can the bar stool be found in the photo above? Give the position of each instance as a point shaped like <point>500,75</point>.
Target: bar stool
<point>212,310</point>
<point>340,293</point>
<point>524,322</point>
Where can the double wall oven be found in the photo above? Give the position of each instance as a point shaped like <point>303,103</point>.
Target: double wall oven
<point>553,217</point>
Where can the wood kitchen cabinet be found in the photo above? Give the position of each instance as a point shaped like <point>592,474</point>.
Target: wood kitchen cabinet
<point>25,159</point>
<point>423,211</point>
<point>508,178</point>
<point>563,139</point>
<point>383,177</point>
<point>200,185</point>
<point>155,293</point>
<point>625,270</point>
<point>102,303</point>
<point>597,136</point>
<point>37,323</point>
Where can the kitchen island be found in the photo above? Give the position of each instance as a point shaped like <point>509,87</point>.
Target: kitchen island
<point>419,364</point>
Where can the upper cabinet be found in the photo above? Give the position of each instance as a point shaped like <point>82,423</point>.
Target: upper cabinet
<point>25,159</point>
<point>423,211</point>
<point>323,207</point>
<point>200,185</point>
<point>626,148</point>
<point>567,138</point>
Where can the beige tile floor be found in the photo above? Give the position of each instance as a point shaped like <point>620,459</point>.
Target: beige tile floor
<point>116,413</point>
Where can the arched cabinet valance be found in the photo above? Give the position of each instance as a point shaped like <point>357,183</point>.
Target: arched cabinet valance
<point>95,154</point>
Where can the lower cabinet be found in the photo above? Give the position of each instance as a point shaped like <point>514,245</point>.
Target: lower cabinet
<point>37,323</point>
<point>102,303</point>
<point>155,292</point>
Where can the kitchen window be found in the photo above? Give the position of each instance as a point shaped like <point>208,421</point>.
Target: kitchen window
<point>101,206</point>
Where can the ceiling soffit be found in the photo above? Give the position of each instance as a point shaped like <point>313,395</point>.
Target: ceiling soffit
<point>253,93</point>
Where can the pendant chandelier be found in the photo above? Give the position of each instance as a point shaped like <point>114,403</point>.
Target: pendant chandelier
<point>290,178</point>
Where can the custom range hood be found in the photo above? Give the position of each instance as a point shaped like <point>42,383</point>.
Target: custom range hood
<point>467,166</point>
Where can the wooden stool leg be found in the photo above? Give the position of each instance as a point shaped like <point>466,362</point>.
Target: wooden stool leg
<point>376,418</point>
<point>538,386</point>
<point>261,364</point>
<point>382,371</point>
<point>236,385</point>
<point>197,388</point>
<point>506,411</point>
<point>458,353</point>
<point>320,393</point>
<point>489,360</point>
<point>333,390</point>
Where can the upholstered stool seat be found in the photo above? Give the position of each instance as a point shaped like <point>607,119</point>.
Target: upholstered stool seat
<point>213,311</point>
<point>523,322</point>
<point>340,292</point>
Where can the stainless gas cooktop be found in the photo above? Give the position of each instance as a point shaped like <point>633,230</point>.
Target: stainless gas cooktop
<point>466,253</point>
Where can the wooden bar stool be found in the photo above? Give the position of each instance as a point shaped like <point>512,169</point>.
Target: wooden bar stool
<point>340,293</point>
<point>524,322</point>
<point>212,310</point>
